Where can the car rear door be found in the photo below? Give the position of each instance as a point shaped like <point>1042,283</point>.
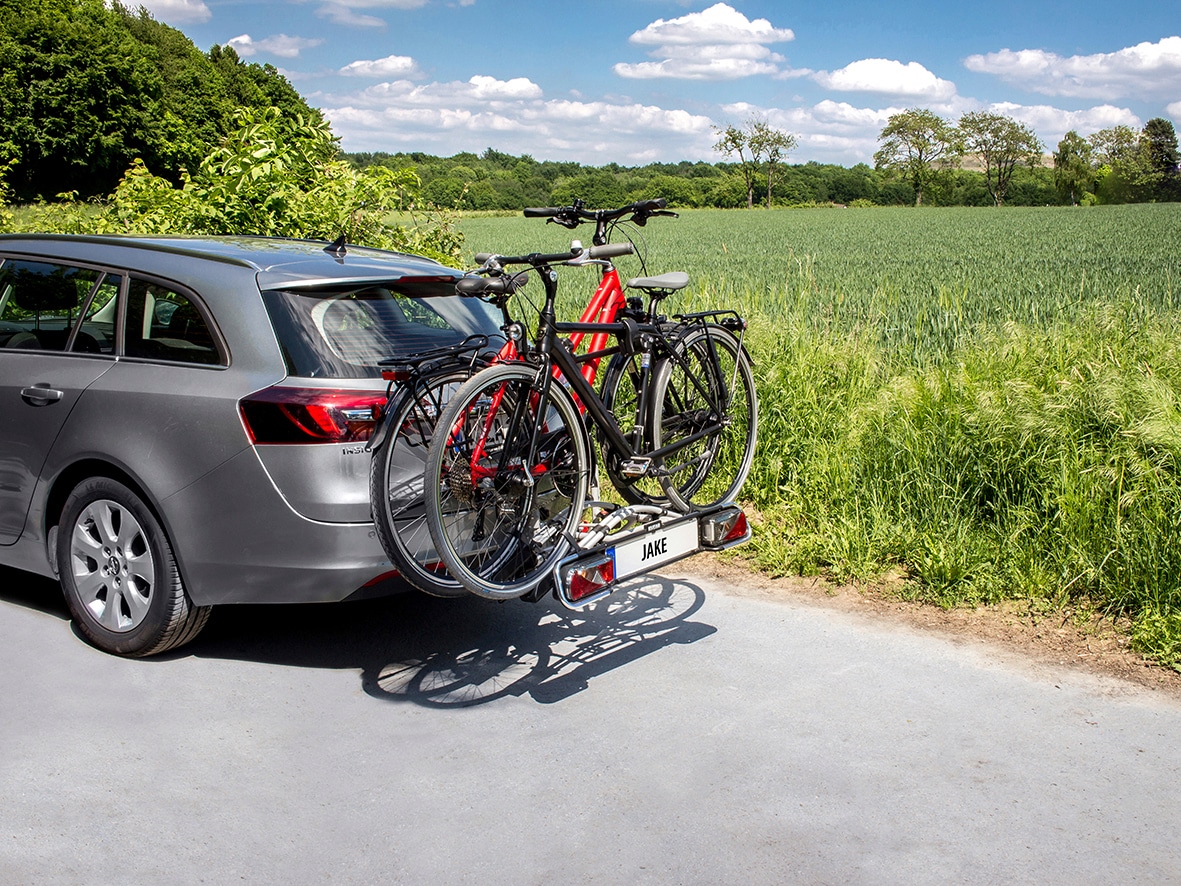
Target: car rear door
<point>56,339</point>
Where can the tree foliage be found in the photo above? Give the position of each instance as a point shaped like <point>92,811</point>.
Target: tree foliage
<point>280,176</point>
<point>735,142</point>
<point>87,87</point>
<point>1073,174</point>
<point>273,175</point>
<point>1001,143</point>
<point>1158,149</point>
<point>919,145</point>
<point>759,147</point>
<point>773,145</point>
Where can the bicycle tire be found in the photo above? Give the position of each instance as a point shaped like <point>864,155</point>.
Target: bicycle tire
<point>396,484</point>
<point>688,397</point>
<point>532,520</point>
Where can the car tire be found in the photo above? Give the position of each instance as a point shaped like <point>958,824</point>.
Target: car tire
<point>118,573</point>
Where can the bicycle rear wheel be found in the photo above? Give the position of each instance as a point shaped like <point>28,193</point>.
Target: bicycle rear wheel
<point>502,511</point>
<point>706,383</point>
<point>396,484</point>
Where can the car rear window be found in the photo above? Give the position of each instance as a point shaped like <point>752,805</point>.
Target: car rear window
<point>345,333</point>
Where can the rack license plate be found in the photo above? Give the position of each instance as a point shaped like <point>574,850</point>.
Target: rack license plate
<point>650,551</point>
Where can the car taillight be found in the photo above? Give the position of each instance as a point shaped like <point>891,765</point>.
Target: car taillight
<point>311,415</point>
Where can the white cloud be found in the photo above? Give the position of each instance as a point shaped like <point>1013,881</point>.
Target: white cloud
<point>1052,123</point>
<point>1174,110</point>
<point>694,69</point>
<point>888,77</point>
<point>390,66</point>
<point>174,12</point>
<point>386,4</point>
<point>1143,69</point>
<point>339,14</point>
<point>513,116</point>
<point>279,44</point>
<point>718,43</point>
<point>720,23</point>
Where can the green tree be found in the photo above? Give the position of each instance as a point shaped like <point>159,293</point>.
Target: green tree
<point>1074,175</point>
<point>87,86</point>
<point>772,144</point>
<point>919,145</point>
<point>1117,151</point>
<point>1158,145</point>
<point>1001,143</point>
<point>735,142</point>
<point>280,176</point>
<point>77,95</point>
<point>598,188</point>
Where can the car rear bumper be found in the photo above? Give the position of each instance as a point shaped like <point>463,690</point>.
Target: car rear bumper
<point>237,540</point>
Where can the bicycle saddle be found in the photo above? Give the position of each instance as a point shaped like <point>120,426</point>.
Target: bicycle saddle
<point>670,282</point>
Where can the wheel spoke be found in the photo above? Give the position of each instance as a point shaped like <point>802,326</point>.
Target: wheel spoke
<point>104,515</point>
<point>92,586</point>
<point>110,616</point>
<point>137,599</point>
<point>85,543</point>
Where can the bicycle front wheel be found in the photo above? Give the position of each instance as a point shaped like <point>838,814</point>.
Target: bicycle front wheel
<point>704,404</point>
<point>396,484</point>
<point>506,480</point>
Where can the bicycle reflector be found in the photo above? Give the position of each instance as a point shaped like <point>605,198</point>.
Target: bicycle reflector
<point>283,414</point>
<point>724,528</point>
<point>587,579</point>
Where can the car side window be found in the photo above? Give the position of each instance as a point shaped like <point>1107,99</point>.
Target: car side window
<point>40,303</point>
<point>96,333</point>
<point>163,324</point>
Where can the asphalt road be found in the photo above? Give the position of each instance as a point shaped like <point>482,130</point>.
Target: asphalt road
<point>689,735</point>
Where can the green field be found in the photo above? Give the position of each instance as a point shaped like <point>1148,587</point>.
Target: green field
<point>988,400</point>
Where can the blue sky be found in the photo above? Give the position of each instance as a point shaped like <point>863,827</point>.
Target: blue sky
<point>635,81</point>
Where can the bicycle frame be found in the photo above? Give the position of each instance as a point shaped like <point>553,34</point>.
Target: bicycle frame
<point>564,364</point>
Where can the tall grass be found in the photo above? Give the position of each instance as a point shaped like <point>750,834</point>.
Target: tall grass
<point>988,400</point>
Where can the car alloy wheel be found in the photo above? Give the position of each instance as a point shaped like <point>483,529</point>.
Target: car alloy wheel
<point>119,575</point>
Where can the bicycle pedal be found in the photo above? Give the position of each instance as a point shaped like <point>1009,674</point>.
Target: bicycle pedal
<point>635,467</point>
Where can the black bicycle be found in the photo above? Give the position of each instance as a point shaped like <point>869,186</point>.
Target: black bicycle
<point>510,464</point>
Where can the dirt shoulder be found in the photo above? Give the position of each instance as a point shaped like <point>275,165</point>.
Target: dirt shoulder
<point>1081,641</point>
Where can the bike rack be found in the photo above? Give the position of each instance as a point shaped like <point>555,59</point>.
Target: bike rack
<point>624,542</point>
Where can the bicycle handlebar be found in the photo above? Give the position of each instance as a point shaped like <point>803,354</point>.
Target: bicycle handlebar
<point>595,253</point>
<point>572,216</point>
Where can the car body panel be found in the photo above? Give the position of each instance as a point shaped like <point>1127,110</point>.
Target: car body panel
<point>247,553</point>
<point>29,426</point>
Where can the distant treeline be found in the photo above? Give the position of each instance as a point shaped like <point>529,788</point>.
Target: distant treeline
<point>494,180</point>
<point>86,87</point>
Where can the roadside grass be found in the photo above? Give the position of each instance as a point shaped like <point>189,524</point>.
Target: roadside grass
<point>987,401</point>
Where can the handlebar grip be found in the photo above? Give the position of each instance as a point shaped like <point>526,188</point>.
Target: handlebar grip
<point>542,212</point>
<point>611,250</point>
<point>482,257</point>
<point>650,205</point>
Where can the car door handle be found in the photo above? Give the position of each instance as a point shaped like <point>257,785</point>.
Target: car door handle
<point>40,395</point>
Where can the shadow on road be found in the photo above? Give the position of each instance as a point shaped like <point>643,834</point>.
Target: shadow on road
<point>439,653</point>
<point>32,592</point>
<point>462,652</point>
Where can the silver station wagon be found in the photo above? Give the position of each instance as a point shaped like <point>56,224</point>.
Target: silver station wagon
<point>183,421</point>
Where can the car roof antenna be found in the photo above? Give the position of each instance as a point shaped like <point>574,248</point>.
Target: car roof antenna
<point>336,248</point>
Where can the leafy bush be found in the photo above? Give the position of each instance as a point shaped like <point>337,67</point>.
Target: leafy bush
<point>275,175</point>
<point>6,217</point>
